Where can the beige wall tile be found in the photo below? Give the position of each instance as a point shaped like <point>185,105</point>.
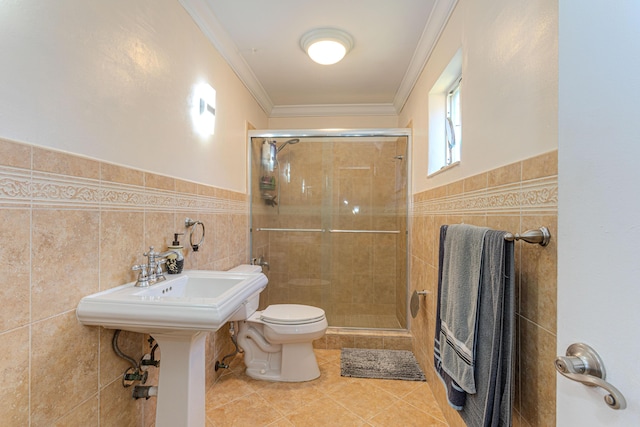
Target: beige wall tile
<point>84,415</point>
<point>14,372</point>
<point>118,409</point>
<point>475,183</point>
<point>540,166</point>
<point>186,187</point>
<point>121,247</point>
<point>158,230</point>
<point>15,251</point>
<point>160,182</point>
<point>538,275</point>
<point>120,174</point>
<point>66,164</point>
<point>64,355</point>
<point>64,255</point>
<point>15,154</point>
<point>537,375</point>
<point>505,175</point>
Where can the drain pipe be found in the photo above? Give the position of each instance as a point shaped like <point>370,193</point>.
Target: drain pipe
<point>221,364</point>
<point>144,391</point>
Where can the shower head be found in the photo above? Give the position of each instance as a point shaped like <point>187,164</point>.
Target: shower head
<point>291,141</point>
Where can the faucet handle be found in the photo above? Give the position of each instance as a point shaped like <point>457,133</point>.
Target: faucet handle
<point>143,276</point>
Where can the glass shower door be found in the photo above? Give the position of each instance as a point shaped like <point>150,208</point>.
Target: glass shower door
<point>337,236</point>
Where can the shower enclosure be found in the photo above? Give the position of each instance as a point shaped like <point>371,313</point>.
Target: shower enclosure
<point>329,216</point>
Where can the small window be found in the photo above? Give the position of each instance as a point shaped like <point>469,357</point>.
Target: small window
<point>453,125</point>
<point>445,118</point>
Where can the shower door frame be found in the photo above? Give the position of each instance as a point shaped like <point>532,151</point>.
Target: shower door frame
<point>337,133</point>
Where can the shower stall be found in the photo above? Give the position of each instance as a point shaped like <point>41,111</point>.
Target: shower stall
<point>329,222</point>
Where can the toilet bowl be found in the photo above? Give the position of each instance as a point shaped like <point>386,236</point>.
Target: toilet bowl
<point>277,341</point>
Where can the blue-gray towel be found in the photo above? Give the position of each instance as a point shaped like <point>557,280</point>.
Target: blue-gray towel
<point>455,395</point>
<point>492,404</point>
<point>461,282</point>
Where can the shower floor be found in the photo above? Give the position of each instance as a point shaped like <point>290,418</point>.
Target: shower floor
<point>364,321</point>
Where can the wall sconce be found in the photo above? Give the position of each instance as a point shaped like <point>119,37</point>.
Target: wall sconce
<point>326,46</point>
<point>203,113</point>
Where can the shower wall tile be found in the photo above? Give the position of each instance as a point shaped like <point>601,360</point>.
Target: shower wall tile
<point>516,197</point>
<point>76,226</point>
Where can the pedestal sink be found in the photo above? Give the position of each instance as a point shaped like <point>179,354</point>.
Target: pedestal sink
<point>177,312</point>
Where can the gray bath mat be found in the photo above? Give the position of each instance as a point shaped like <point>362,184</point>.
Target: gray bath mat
<point>383,364</point>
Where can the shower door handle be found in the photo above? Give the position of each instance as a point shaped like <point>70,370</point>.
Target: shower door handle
<point>584,365</point>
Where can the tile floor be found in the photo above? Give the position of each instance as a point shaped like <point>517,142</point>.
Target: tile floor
<point>331,400</point>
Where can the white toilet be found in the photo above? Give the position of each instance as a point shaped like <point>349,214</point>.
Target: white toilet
<point>277,341</point>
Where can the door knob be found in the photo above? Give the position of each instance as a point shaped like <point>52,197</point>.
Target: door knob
<point>583,364</point>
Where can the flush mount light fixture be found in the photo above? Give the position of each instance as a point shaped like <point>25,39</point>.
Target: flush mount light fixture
<point>326,46</point>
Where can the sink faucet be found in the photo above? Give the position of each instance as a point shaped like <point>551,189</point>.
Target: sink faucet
<point>151,272</point>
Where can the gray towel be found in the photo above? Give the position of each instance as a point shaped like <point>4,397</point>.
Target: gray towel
<point>455,395</point>
<point>461,269</point>
<point>491,405</point>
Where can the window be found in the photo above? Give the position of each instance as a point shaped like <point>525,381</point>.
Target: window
<point>445,117</point>
<point>453,125</point>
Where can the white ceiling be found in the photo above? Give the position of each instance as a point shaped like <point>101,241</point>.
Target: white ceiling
<point>260,39</point>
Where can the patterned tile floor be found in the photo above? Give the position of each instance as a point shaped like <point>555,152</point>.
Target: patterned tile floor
<point>331,400</point>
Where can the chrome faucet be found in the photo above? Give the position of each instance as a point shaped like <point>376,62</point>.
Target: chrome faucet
<point>151,272</point>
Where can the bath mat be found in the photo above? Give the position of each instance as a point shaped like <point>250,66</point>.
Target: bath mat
<point>382,364</point>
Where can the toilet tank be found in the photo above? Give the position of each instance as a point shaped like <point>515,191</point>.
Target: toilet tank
<point>250,306</point>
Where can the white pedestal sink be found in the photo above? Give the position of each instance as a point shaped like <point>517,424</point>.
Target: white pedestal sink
<point>177,312</point>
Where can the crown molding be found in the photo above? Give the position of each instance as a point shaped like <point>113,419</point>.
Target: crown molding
<point>205,19</point>
<point>440,14</point>
<point>325,110</point>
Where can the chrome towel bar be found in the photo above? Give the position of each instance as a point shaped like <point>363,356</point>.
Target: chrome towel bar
<point>540,236</point>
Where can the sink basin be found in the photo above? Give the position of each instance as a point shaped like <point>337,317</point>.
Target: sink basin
<point>196,300</point>
<point>178,313</point>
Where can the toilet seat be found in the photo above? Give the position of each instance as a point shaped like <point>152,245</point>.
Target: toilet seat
<point>291,314</point>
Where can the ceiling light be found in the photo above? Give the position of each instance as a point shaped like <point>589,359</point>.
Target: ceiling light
<point>326,46</point>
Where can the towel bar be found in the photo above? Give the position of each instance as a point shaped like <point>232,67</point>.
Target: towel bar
<point>540,236</point>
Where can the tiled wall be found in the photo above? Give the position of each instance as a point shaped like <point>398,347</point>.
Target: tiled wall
<point>72,226</point>
<point>517,197</point>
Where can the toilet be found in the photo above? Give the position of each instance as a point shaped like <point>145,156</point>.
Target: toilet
<point>277,341</point>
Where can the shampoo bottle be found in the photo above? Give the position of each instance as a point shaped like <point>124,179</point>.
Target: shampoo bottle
<point>175,263</point>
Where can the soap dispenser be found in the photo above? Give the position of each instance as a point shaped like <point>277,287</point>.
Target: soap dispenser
<point>175,263</point>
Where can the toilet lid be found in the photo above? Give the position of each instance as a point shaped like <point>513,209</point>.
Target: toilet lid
<point>286,314</point>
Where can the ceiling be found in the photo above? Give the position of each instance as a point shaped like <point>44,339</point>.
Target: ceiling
<point>260,40</point>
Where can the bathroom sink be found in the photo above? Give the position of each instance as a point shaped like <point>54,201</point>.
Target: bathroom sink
<point>196,300</point>
<point>177,312</point>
